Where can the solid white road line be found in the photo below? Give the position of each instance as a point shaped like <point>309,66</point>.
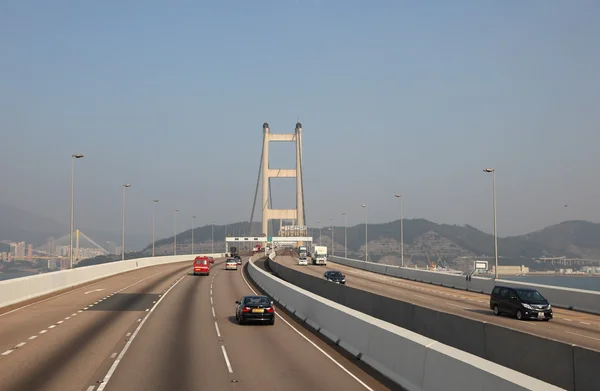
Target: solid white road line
<point>314,344</point>
<point>112,369</point>
<point>217,328</point>
<point>226,359</point>
<point>582,335</point>
<point>74,290</point>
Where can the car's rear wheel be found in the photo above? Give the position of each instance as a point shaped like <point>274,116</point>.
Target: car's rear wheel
<point>496,310</point>
<point>519,315</point>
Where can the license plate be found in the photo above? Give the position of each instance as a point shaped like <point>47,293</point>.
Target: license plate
<point>541,315</point>
<point>258,310</point>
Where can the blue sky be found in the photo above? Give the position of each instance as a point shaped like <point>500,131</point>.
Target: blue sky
<point>393,96</point>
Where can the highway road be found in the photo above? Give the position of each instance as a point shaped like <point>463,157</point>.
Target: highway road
<point>567,326</point>
<point>161,328</point>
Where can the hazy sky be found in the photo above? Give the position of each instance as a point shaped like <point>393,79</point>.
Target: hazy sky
<point>393,96</point>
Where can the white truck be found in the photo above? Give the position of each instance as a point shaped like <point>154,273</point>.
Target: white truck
<point>318,255</point>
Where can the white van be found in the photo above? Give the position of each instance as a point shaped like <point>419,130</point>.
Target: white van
<point>302,261</point>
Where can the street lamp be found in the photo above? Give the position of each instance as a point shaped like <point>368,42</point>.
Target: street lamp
<point>366,233</point>
<point>493,171</point>
<point>212,238</point>
<point>345,235</point>
<point>332,237</point>
<point>73,157</point>
<point>401,230</point>
<point>123,221</point>
<point>193,225</point>
<point>153,204</point>
<point>175,231</point>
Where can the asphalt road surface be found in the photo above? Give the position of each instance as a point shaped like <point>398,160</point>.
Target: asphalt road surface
<point>161,328</point>
<point>567,326</point>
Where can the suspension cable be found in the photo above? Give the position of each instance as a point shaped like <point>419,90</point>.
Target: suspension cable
<point>257,184</point>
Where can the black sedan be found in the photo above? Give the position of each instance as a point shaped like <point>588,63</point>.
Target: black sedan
<point>335,276</point>
<point>257,309</point>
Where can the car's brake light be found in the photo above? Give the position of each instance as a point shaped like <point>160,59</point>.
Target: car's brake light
<point>270,309</point>
<point>246,309</point>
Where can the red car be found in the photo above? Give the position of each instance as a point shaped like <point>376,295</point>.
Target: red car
<point>201,265</point>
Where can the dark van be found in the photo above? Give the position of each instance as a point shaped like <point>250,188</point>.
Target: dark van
<point>524,303</point>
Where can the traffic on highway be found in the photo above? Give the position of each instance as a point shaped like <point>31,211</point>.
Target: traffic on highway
<point>162,328</point>
<point>572,327</point>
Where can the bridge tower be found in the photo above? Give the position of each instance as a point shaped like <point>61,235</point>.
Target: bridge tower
<point>268,173</point>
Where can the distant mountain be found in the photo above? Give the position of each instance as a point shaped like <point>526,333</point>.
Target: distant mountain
<point>20,225</point>
<point>17,224</point>
<point>423,238</point>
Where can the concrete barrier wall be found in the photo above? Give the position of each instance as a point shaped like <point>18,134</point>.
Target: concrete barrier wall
<point>514,349</point>
<point>576,299</point>
<point>20,289</point>
<point>413,361</point>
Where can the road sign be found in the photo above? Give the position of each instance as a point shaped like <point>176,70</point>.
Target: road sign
<point>481,265</point>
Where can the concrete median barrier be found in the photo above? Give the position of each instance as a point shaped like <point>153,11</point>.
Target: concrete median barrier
<point>575,299</point>
<point>25,288</point>
<point>413,361</point>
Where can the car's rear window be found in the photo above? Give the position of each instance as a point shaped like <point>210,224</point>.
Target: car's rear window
<point>257,301</point>
<point>201,262</point>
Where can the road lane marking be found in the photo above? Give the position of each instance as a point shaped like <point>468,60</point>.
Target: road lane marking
<point>314,344</point>
<point>113,355</point>
<point>423,297</point>
<point>33,337</point>
<point>43,331</point>
<point>226,359</point>
<point>60,321</point>
<point>128,334</point>
<point>583,335</point>
<point>211,300</point>
<point>91,388</point>
<point>7,352</point>
<point>75,290</point>
<point>213,311</point>
<point>217,328</point>
<point>52,326</point>
<point>113,367</point>
<point>21,344</point>
<point>459,306</point>
<point>587,324</point>
<point>211,292</point>
<point>67,318</point>
<point>95,290</point>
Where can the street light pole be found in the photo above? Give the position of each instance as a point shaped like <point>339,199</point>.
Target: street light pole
<point>123,221</point>
<point>401,230</point>
<point>332,237</point>
<point>366,233</point>
<point>493,171</point>
<point>73,157</point>
<point>153,204</point>
<point>193,225</point>
<point>345,235</point>
<point>175,231</point>
<point>212,238</point>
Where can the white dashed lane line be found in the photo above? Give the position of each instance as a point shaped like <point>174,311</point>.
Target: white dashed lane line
<point>217,328</point>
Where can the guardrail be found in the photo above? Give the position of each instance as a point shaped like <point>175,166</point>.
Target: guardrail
<point>574,299</point>
<point>24,288</point>
<point>569,367</point>
<point>415,362</point>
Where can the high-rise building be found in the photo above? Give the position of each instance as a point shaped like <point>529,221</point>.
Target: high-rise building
<point>51,246</point>
<point>30,252</point>
<point>20,251</point>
